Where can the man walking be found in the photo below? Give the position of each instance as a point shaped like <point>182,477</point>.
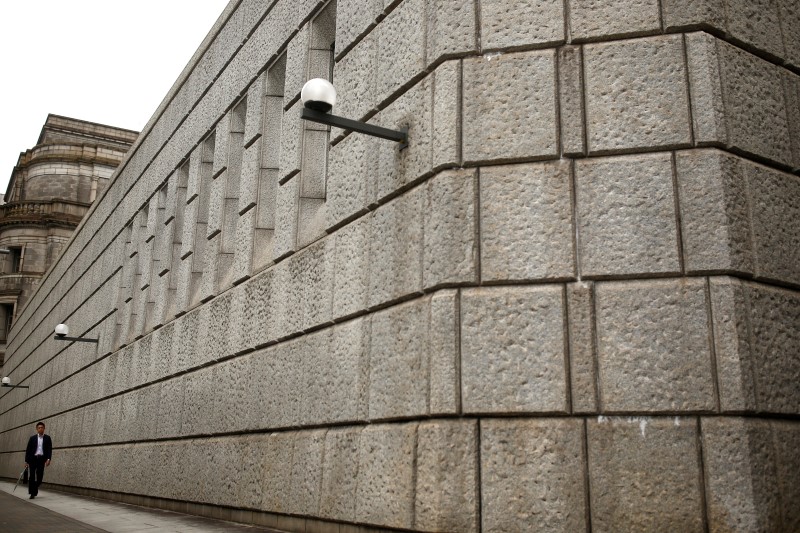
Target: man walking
<point>37,456</point>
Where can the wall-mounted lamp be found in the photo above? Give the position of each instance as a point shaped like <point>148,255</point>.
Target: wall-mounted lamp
<point>62,330</point>
<point>7,383</point>
<point>319,96</point>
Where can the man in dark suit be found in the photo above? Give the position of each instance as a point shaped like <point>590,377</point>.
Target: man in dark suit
<point>37,456</point>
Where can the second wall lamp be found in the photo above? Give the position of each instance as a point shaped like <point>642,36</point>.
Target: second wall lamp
<point>319,96</point>
<point>7,383</point>
<point>62,330</point>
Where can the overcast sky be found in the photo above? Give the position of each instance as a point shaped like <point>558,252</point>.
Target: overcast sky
<point>104,61</point>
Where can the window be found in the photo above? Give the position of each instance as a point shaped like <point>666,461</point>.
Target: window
<point>6,319</point>
<point>15,259</point>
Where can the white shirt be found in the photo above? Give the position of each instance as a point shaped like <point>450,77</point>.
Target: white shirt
<point>40,446</point>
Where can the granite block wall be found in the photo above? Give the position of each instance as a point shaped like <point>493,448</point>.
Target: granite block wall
<point>570,304</point>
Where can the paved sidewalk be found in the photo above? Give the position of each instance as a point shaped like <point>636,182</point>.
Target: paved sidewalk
<point>69,513</point>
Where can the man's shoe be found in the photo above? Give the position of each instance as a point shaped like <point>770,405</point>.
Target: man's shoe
<point>31,497</point>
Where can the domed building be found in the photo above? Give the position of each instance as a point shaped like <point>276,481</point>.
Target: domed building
<point>52,187</point>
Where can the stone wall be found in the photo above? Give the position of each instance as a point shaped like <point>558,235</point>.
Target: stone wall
<point>570,304</point>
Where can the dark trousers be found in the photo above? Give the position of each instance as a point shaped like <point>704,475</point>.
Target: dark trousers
<point>36,469</point>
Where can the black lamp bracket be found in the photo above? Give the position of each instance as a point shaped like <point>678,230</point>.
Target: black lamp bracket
<point>76,339</point>
<point>400,136</point>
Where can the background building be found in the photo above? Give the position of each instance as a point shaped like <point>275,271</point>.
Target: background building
<point>570,304</point>
<point>50,190</point>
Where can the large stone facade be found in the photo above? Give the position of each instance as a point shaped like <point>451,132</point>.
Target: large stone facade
<point>570,304</point>
<point>51,188</point>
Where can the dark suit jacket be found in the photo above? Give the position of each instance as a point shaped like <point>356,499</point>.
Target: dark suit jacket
<point>47,448</point>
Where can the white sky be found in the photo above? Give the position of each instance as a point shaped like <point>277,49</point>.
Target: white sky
<point>105,61</point>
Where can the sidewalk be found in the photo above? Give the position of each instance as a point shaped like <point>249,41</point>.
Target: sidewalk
<point>70,513</point>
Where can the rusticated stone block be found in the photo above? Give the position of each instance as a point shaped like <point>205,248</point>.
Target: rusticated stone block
<point>447,476</point>
<point>191,228</point>
<point>296,64</point>
<point>356,79</point>
<point>310,220</point>
<point>626,215</point>
<point>291,142</point>
<point>532,475</point>
<point>756,22</point>
<point>148,413</point>
<point>183,293</point>
<point>446,118</point>
<point>738,99</point>
<point>230,411</point>
<point>450,29</point>
<point>221,142</point>
<point>351,178</point>
<point>714,212</point>
<point>396,242</point>
<point>248,482</point>
<point>185,342</point>
<point>636,94</point>
<point>791,89</point>
<point>688,13</point>
<point>385,486</point>
<point>755,105</point>
<point>595,19</point>
<point>775,208</point>
<point>315,149</point>
<point>582,346</point>
<point>645,474</point>
<point>708,112</point>
<point>286,206</point>
<point>317,281</point>
<point>653,346</point>
<point>513,350</point>
<point>774,318</point>
<point>345,375</point>
<point>287,295</point>
<point>294,396</point>
<point>254,120</point>
<point>304,492</point>
<point>277,474</point>
<point>273,118</point>
<point>401,46</point>
<point>413,111</point>
<point>740,474</point>
<point>351,264</point>
<point>450,248</point>
<point>399,361</point>
<point>526,222</point>
<point>170,404</point>
<point>732,345</point>
<point>220,452</point>
<point>445,396</point>
<point>163,351</point>
<point>243,257</point>
<point>216,207</point>
<point>197,417</point>
<point>524,126</point>
<point>755,335</point>
<point>786,434</point>
<point>790,28</point>
<point>515,24</point>
<point>571,104</point>
<point>340,474</point>
<point>208,285</point>
<point>354,17</point>
<point>250,178</point>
